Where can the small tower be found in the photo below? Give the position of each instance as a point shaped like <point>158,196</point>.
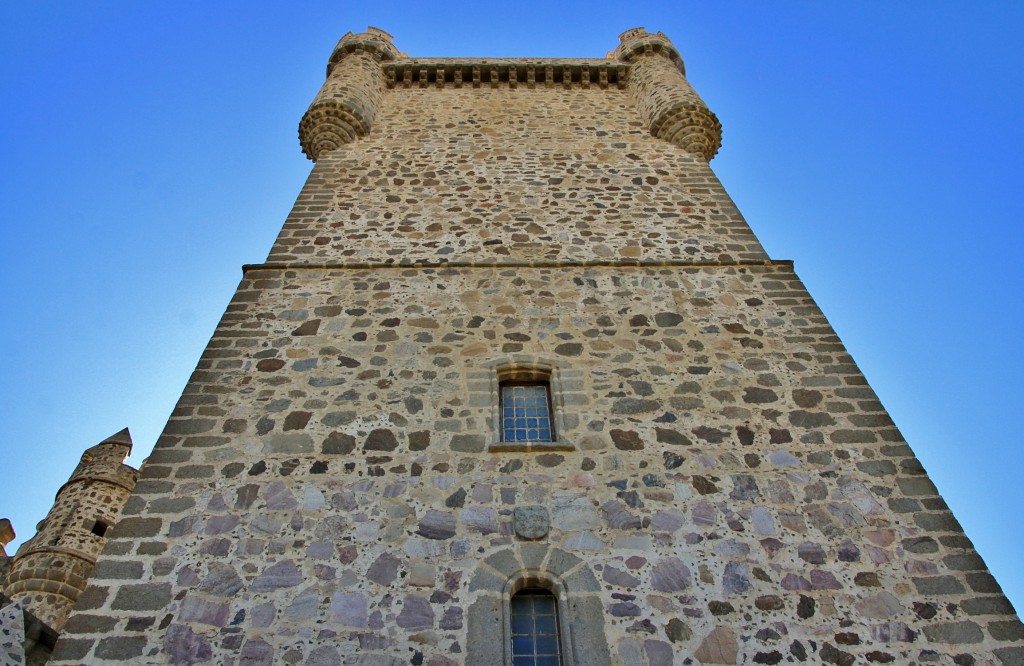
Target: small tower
<point>51,569</point>
<point>6,536</point>
<point>665,99</point>
<point>346,105</point>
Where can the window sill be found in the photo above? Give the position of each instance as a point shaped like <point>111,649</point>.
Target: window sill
<point>498,447</point>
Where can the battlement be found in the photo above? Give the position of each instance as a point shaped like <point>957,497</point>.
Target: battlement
<point>638,42</point>
<point>364,66</point>
<point>105,461</point>
<point>505,72</point>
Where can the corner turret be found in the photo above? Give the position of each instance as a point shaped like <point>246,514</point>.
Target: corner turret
<point>6,536</point>
<point>51,569</point>
<point>345,107</point>
<point>667,102</point>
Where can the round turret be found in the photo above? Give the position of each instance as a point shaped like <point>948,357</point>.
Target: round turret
<point>668,103</point>
<point>51,569</point>
<point>345,107</point>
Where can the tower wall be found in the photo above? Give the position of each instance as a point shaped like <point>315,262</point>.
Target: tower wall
<point>724,486</point>
<point>498,174</point>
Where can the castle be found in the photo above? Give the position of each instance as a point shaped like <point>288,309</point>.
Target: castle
<point>516,384</point>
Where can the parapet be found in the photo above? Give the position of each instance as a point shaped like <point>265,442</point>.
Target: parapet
<point>638,42</point>
<point>374,41</point>
<point>364,65</point>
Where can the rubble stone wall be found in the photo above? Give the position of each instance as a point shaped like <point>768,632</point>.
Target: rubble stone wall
<point>326,484</point>
<point>490,175</point>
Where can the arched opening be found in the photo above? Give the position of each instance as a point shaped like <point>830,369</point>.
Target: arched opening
<point>536,605</point>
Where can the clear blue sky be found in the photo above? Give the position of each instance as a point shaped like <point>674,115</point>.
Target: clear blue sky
<point>147,150</point>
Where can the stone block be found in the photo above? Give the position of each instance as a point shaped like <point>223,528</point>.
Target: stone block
<point>530,522</point>
<point>114,569</point>
<point>83,623</point>
<point>916,486</point>
<point>120,648</point>
<point>996,605</point>
<point>983,582</point>
<point>1010,656</point>
<point>72,649</point>
<point>937,522</point>
<point>938,585</point>
<point>468,443</point>
<point>956,633</point>
<point>147,596</point>
<point>532,555</point>
<point>1007,630</point>
<point>485,624</point>
<point>877,467</point>
<point>964,562</point>
<point>138,528</point>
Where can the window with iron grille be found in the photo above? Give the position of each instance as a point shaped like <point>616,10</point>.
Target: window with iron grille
<point>526,414</point>
<point>533,618</point>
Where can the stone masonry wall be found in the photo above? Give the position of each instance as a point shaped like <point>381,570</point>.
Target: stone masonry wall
<point>730,489</point>
<point>325,487</point>
<point>491,175</point>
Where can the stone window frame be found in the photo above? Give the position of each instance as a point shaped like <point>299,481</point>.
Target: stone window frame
<point>568,577</point>
<point>486,391</point>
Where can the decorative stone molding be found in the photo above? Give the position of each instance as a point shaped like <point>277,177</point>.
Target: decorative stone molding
<point>474,73</point>
<point>484,388</point>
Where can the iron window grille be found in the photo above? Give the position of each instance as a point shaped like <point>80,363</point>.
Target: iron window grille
<point>526,413</point>
<point>535,635</point>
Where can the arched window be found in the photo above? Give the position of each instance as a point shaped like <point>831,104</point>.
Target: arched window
<point>535,629</point>
<point>536,605</point>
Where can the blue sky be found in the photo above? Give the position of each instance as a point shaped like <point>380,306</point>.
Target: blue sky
<point>148,150</point>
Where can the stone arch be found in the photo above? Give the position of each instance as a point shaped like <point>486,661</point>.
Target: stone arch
<point>567,576</point>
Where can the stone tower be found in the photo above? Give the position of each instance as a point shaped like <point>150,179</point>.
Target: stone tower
<point>517,382</point>
<point>50,570</point>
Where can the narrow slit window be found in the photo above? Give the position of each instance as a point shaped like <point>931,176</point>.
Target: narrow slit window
<point>100,528</point>
<point>526,412</point>
<point>533,615</point>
